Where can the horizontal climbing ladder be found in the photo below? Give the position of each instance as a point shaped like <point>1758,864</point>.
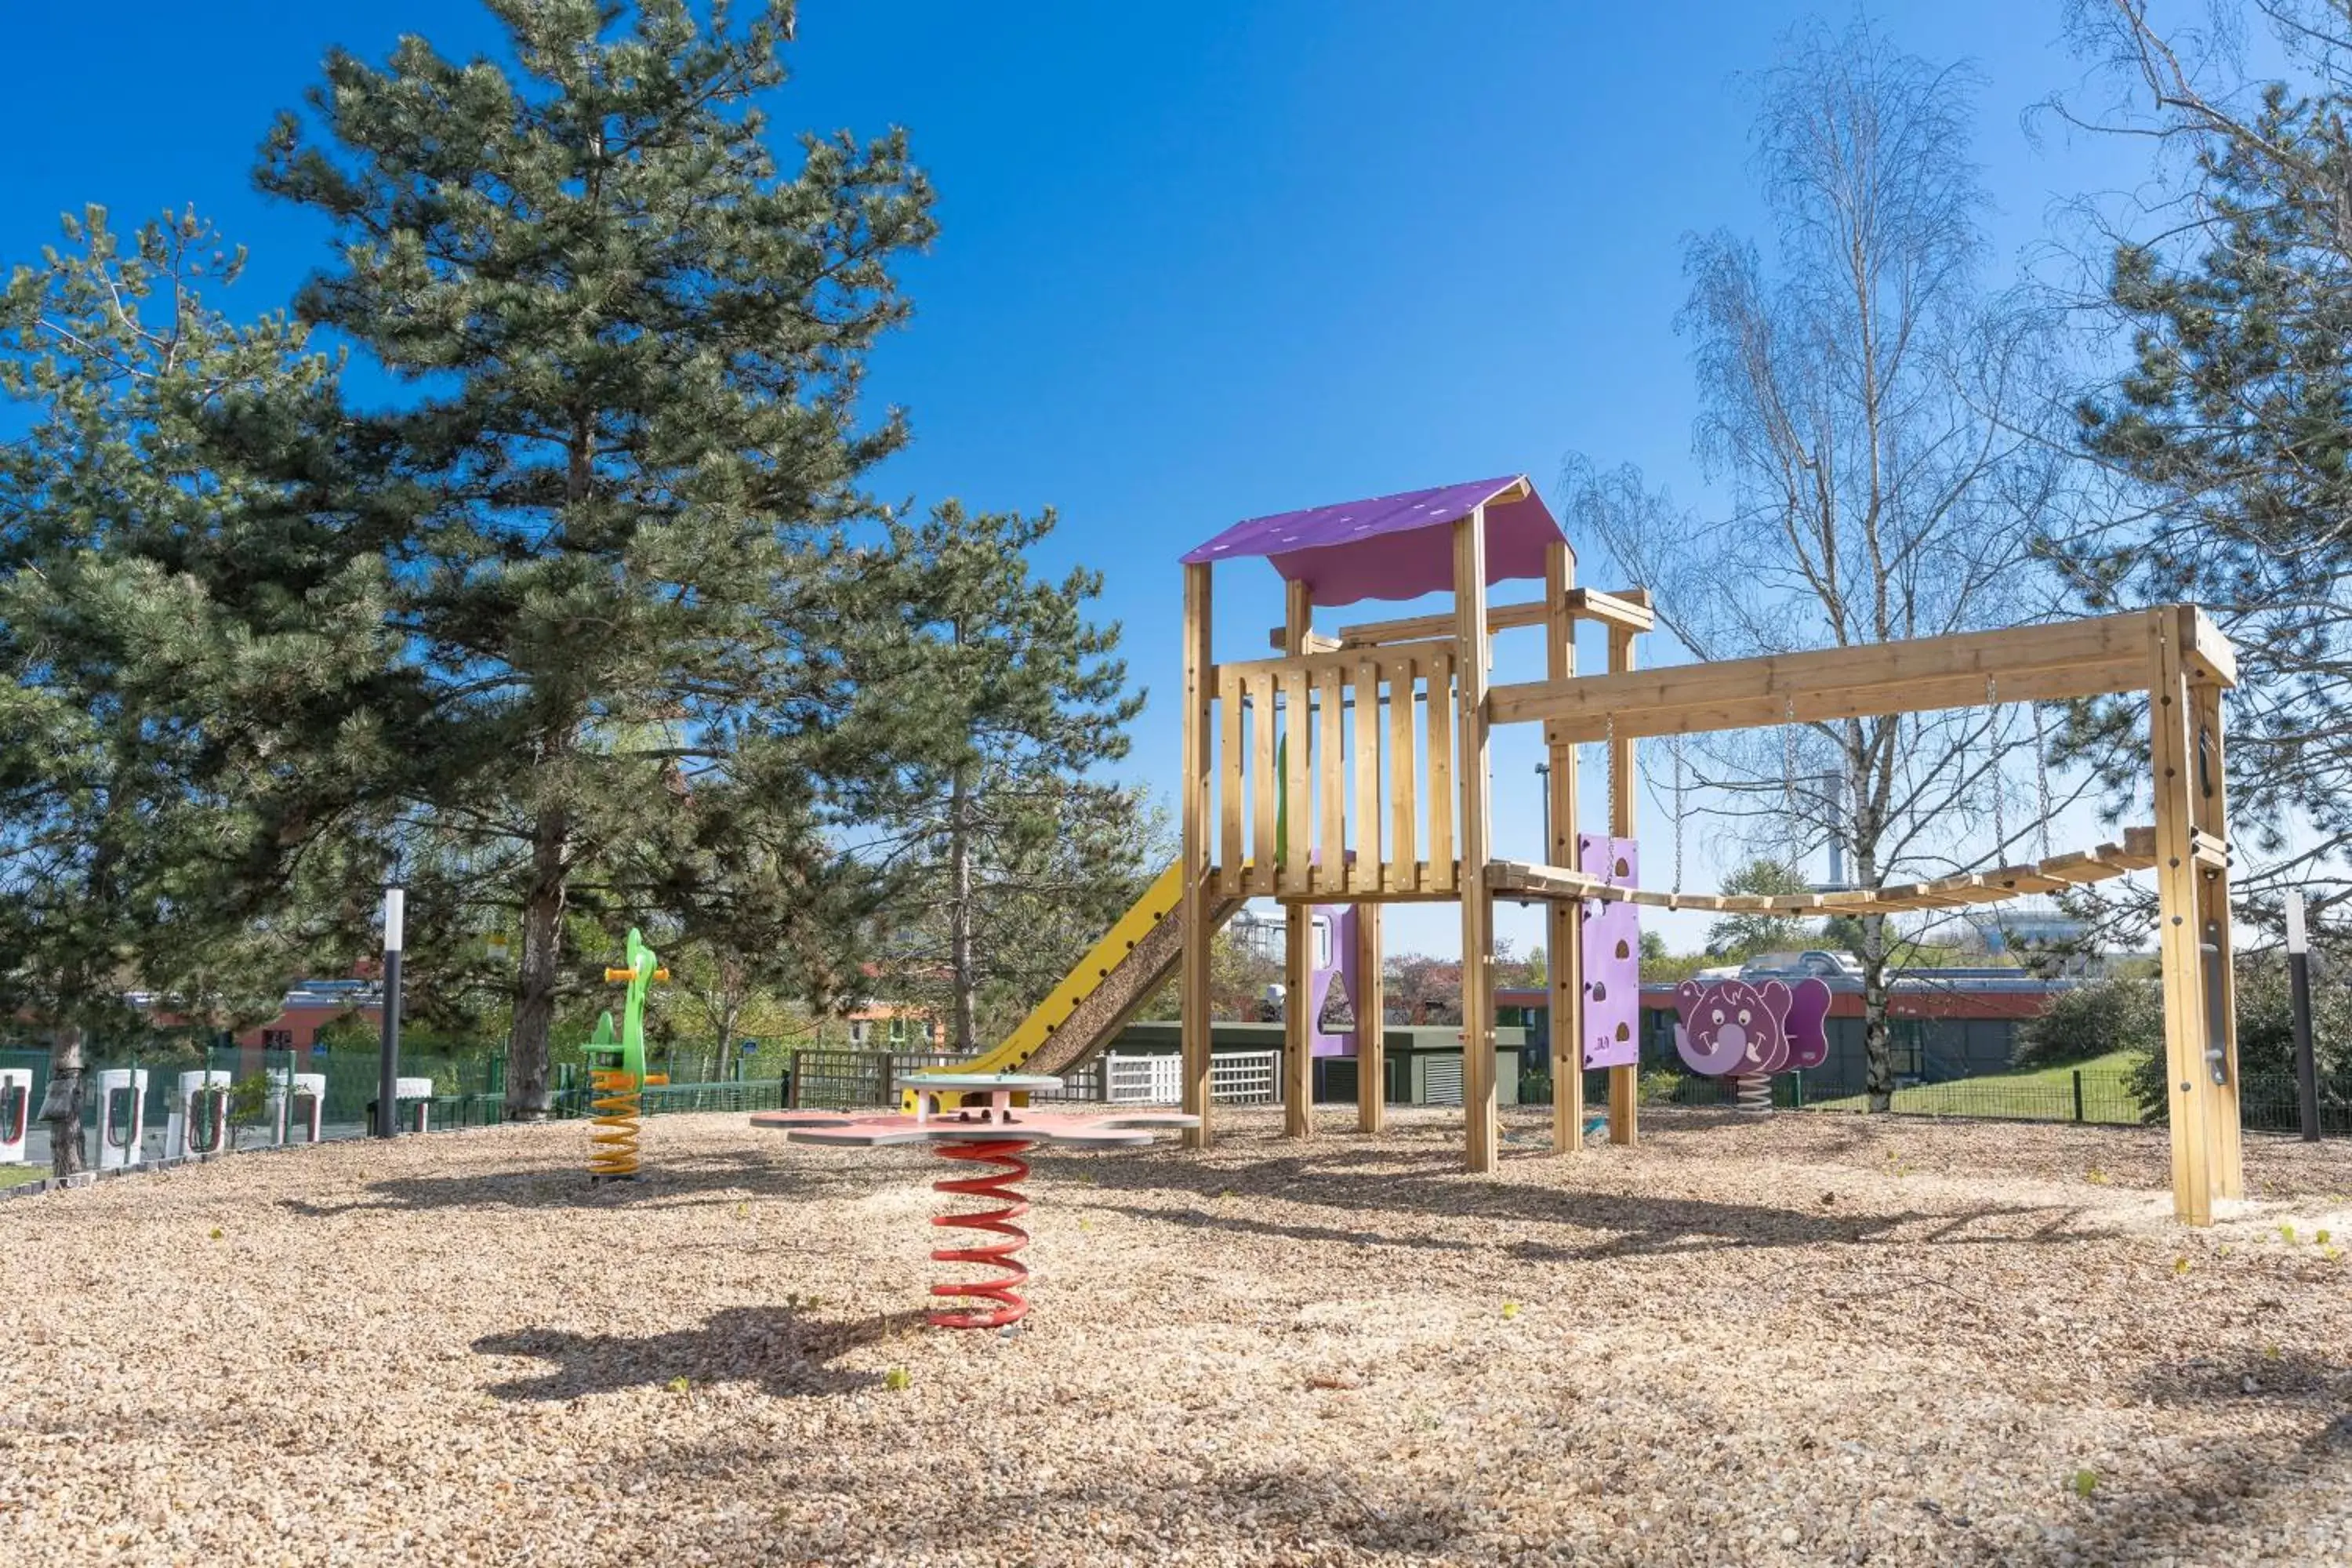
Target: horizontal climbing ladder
<point>2135,853</point>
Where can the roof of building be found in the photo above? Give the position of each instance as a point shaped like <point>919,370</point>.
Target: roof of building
<point>1395,546</point>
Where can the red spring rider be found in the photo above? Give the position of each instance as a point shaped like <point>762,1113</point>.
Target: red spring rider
<point>989,1129</point>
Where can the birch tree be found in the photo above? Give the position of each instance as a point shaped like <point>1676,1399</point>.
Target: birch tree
<point>1863,399</point>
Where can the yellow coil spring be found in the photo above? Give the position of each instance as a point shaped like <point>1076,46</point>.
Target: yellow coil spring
<point>612,1133</point>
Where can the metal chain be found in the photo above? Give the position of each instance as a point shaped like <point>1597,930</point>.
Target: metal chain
<point>1609,753</point>
<point>1993,759</point>
<point>1678,814</point>
<point>1789,779</point>
<point>2041,778</point>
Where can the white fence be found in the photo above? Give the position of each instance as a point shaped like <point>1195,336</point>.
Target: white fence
<point>1235,1078</point>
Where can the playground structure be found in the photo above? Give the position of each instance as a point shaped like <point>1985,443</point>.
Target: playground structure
<point>617,1069</point>
<point>984,1128</point>
<point>1354,769</point>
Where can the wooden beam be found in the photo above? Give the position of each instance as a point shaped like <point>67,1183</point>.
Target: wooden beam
<point>2205,653</point>
<point>1480,1149</point>
<point>1198,916</point>
<point>1548,881</point>
<point>1957,891</point>
<point>2172,743</point>
<point>1630,609</point>
<point>1279,639</point>
<point>1855,702</point>
<point>2063,659</point>
<point>1371,1023</point>
<point>1563,918</point>
<point>1416,628</point>
<point>1343,659</point>
<point>2209,810</point>
<point>1627,612</point>
<point>1298,846</point>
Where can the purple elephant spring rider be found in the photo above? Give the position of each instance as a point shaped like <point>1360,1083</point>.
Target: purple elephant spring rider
<point>1731,1027</point>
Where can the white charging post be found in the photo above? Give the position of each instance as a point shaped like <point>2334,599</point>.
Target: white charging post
<point>122,1117</point>
<point>16,1113</point>
<point>387,1099</point>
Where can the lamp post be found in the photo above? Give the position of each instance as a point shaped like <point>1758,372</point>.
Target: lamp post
<point>387,1104</point>
<point>2298,971</point>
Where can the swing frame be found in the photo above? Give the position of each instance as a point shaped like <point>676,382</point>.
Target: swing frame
<point>1353,772</point>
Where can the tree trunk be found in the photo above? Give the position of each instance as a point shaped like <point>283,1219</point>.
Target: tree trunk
<point>959,954</point>
<point>61,1105</point>
<point>1877,1039</point>
<point>540,975</point>
<point>728,1054</point>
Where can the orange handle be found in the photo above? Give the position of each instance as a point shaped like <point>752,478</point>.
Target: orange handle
<point>613,974</point>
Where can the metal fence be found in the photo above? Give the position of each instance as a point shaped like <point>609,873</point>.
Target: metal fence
<point>847,1079</point>
<point>1157,1077</point>
<point>2268,1102</point>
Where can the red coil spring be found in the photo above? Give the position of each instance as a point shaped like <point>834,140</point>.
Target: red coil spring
<point>1005,1153</point>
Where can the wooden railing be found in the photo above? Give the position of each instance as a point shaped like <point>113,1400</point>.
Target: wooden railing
<point>1334,773</point>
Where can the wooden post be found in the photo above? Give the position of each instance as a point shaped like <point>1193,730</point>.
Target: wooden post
<point>1299,914</point>
<point>1477,903</point>
<point>1564,918</point>
<point>2172,756</point>
<point>1371,1023</point>
<point>2209,800</point>
<point>1199,689</point>
<point>1625,1082</point>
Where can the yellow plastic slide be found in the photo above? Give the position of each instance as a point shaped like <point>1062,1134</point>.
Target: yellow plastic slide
<point>1098,995</point>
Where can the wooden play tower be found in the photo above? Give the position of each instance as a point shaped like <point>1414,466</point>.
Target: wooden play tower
<point>1353,767</point>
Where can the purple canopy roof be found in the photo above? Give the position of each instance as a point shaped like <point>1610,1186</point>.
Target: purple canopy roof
<point>1392,547</point>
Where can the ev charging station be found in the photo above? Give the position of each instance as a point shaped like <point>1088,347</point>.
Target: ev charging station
<point>16,1113</point>
<point>122,1117</point>
<point>199,1115</point>
<point>298,1103</point>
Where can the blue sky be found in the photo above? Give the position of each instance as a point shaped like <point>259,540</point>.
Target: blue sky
<point>1196,263</point>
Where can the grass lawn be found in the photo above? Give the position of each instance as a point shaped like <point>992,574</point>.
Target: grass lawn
<point>17,1175</point>
<point>2045,1093</point>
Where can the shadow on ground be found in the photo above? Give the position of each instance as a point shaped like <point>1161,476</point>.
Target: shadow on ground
<point>677,1180</point>
<point>787,1354</point>
<point>1410,1183</point>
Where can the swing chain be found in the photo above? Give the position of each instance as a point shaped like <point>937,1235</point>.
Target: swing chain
<point>1789,779</point>
<point>1993,759</point>
<point>2042,778</point>
<point>1678,814</point>
<point>1609,758</point>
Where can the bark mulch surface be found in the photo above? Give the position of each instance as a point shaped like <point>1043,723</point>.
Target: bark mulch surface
<point>1798,1339</point>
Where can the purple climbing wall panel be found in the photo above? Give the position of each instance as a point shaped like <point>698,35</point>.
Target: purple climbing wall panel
<point>1333,968</point>
<point>1612,955</point>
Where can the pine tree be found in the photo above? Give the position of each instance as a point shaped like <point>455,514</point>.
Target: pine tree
<point>631,347</point>
<point>1015,852</point>
<point>2228,435</point>
<point>179,662</point>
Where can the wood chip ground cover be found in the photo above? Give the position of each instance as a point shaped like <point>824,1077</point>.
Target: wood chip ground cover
<point>1799,1339</point>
